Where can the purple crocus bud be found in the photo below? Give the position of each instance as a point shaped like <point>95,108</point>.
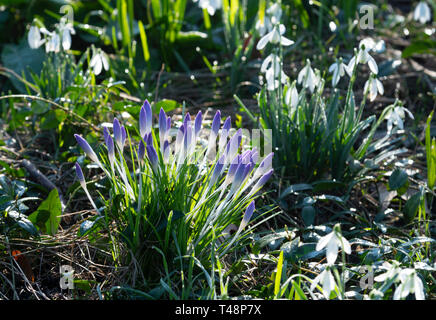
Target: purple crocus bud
<point>142,122</point>
<point>179,138</point>
<point>246,157</point>
<point>227,124</point>
<point>141,151</point>
<point>118,134</point>
<point>148,138</point>
<point>106,133</point>
<point>123,136</point>
<point>240,175</point>
<point>264,166</point>
<point>86,147</point>
<point>152,156</point>
<point>148,116</point>
<point>162,121</point>
<point>247,215</point>
<point>187,139</point>
<point>187,120</point>
<point>254,156</point>
<point>79,174</point>
<point>216,123</point>
<point>197,123</point>
<point>166,151</point>
<point>168,124</point>
<point>233,166</point>
<point>110,149</point>
<point>233,144</point>
<point>162,127</point>
<point>261,182</point>
<point>217,170</point>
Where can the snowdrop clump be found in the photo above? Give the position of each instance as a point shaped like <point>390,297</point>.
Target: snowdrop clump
<point>272,32</point>
<point>331,242</point>
<point>54,39</point>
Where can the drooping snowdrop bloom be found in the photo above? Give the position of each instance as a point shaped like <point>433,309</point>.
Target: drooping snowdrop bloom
<point>274,37</point>
<point>327,280</point>
<point>66,30</point>
<point>210,5</point>
<point>291,97</point>
<point>375,86</point>
<point>332,242</point>
<point>395,118</point>
<point>363,57</point>
<point>99,61</point>
<point>53,44</point>
<point>307,77</point>
<point>272,67</point>
<point>34,37</point>
<point>422,12</point>
<point>338,69</point>
<point>271,18</point>
<point>410,283</point>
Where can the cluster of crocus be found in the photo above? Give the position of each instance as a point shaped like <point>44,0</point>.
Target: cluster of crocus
<point>218,180</point>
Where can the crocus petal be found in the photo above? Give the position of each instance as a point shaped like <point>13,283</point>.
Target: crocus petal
<point>197,123</point>
<point>86,148</point>
<point>247,215</point>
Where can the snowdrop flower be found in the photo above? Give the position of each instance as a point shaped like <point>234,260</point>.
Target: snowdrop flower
<point>67,30</point>
<point>375,86</point>
<point>210,5</point>
<point>53,44</point>
<point>272,68</point>
<point>410,283</point>
<point>274,37</point>
<point>327,280</point>
<point>275,12</point>
<point>264,27</point>
<point>396,116</point>
<point>291,97</point>
<point>308,77</point>
<point>34,38</point>
<point>99,60</point>
<point>363,57</point>
<point>332,242</point>
<point>422,12</point>
<point>338,69</point>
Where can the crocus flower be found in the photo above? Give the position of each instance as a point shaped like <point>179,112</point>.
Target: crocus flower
<point>422,12</point>
<point>197,123</point>
<point>86,148</point>
<point>79,174</point>
<point>375,86</point>
<point>141,150</point>
<point>117,133</point>
<point>152,156</point>
<point>274,37</point>
<point>145,119</point>
<point>247,216</point>
<point>162,127</point>
<point>332,242</point>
